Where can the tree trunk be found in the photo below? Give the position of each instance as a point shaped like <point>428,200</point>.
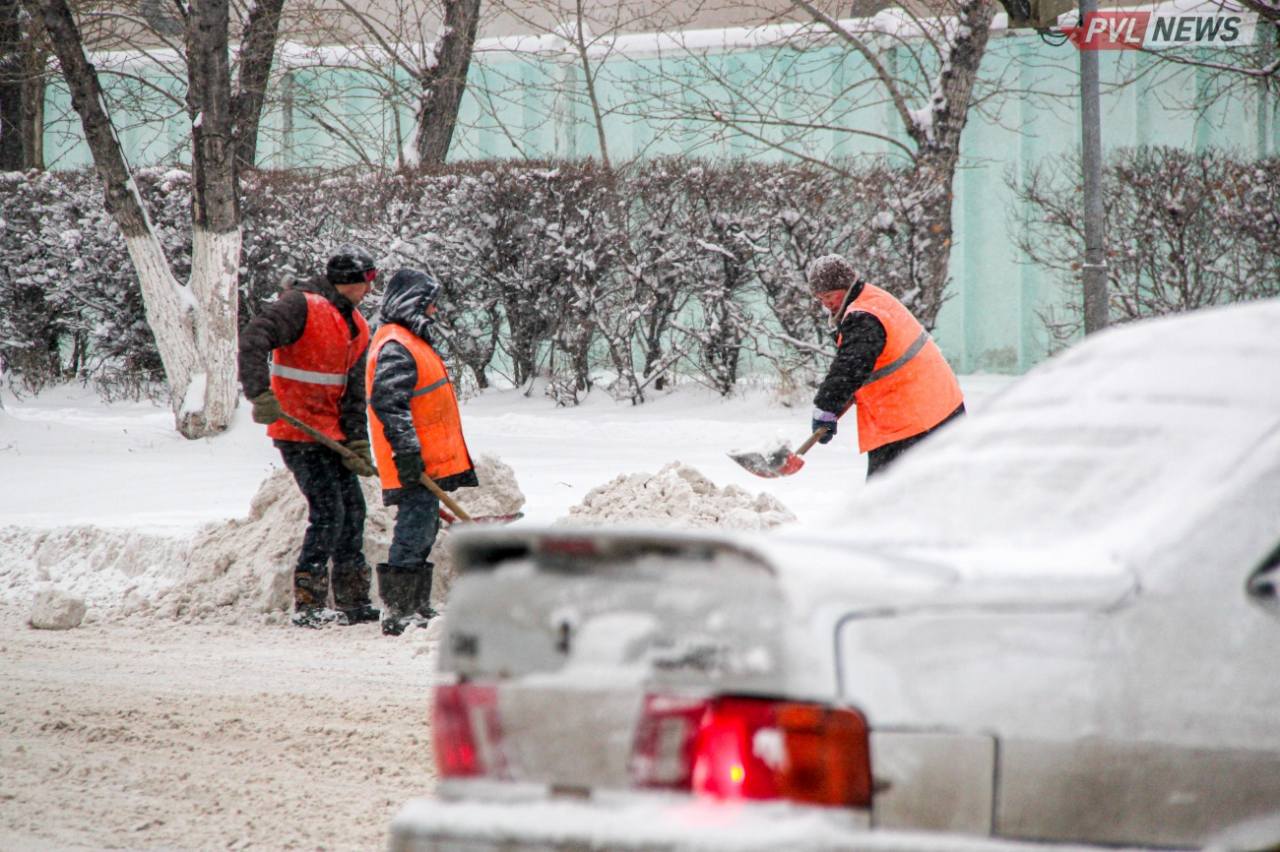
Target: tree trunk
<point>32,118</point>
<point>444,84</point>
<point>194,326</point>
<point>11,89</point>
<point>215,214</point>
<point>257,51</point>
<point>927,206</point>
<point>22,76</point>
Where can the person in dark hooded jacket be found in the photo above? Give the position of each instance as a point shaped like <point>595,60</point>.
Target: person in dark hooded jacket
<point>304,356</point>
<point>416,429</point>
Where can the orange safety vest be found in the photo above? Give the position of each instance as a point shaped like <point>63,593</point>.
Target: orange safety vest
<point>911,388</point>
<point>309,376</point>
<point>433,406</point>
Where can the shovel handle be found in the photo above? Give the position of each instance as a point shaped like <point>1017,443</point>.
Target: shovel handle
<point>318,435</point>
<point>811,440</point>
<point>444,497</point>
<point>346,453</point>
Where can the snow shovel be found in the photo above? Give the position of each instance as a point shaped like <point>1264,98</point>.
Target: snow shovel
<point>459,514</point>
<point>779,461</point>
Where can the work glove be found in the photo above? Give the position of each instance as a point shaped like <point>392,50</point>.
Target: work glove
<point>824,420</point>
<point>362,464</point>
<point>266,408</point>
<point>410,468</point>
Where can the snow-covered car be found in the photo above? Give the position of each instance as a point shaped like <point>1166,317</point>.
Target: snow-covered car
<point>1057,621</point>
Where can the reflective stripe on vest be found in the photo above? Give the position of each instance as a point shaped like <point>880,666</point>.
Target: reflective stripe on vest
<point>436,385</point>
<point>309,376</point>
<point>901,361</point>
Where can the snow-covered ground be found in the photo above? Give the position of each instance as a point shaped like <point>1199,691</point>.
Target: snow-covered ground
<point>66,458</point>
<point>140,731</point>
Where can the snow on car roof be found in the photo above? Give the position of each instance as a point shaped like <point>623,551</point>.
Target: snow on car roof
<point>1114,446</point>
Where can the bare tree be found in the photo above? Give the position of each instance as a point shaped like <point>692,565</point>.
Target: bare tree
<point>815,81</point>
<point>23,55</point>
<point>580,39</point>
<point>414,56</point>
<point>138,45</point>
<point>257,52</point>
<point>193,323</point>
<point>445,80</point>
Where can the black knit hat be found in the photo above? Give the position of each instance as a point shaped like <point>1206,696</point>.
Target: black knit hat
<point>350,264</point>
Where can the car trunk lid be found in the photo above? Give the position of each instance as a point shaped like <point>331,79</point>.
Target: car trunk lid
<point>573,629</point>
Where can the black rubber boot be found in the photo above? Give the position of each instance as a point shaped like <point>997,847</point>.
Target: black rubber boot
<point>397,586</point>
<point>351,592</point>
<point>422,593</point>
<point>311,597</point>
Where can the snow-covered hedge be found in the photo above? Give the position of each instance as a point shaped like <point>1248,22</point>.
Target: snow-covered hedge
<point>1184,230</point>
<point>568,272</point>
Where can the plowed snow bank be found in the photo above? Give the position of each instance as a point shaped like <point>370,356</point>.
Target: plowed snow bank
<point>238,571</point>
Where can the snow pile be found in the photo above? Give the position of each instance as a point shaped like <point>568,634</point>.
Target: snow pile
<point>677,496</point>
<point>244,567</point>
<point>54,609</point>
<point>235,572</point>
<point>498,494</point>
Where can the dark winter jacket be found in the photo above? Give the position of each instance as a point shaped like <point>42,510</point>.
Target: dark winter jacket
<point>862,338</point>
<point>281,324</point>
<point>409,293</point>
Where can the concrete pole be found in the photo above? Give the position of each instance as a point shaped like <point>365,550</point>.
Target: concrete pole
<point>1095,254</point>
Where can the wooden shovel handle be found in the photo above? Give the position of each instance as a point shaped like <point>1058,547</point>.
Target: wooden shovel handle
<point>449,502</point>
<point>427,481</point>
<point>319,436</point>
<point>811,440</point>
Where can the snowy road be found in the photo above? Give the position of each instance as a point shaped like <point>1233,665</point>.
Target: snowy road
<point>194,737</point>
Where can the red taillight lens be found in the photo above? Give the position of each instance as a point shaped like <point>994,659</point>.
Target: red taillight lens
<point>750,748</point>
<point>738,750</point>
<point>465,731</point>
<point>828,755</point>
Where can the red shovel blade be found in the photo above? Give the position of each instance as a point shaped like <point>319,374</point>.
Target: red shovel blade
<point>779,462</point>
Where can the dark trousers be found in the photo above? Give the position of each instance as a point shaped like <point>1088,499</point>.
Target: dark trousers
<point>881,457</point>
<point>335,504</point>
<point>417,524</point>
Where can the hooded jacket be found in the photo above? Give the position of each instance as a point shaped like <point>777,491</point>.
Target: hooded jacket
<point>410,397</point>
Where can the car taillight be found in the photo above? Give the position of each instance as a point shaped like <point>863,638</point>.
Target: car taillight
<point>465,731</point>
<point>751,748</point>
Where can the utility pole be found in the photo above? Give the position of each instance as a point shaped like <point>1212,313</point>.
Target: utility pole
<point>1095,251</point>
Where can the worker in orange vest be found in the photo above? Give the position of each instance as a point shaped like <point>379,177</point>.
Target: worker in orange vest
<point>416,429</point>
<point>885,363</point>
<point>316,341</point>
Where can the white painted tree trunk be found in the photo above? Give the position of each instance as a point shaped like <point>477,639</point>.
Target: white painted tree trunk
<point>194,326</point>
<point>215,264</point>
